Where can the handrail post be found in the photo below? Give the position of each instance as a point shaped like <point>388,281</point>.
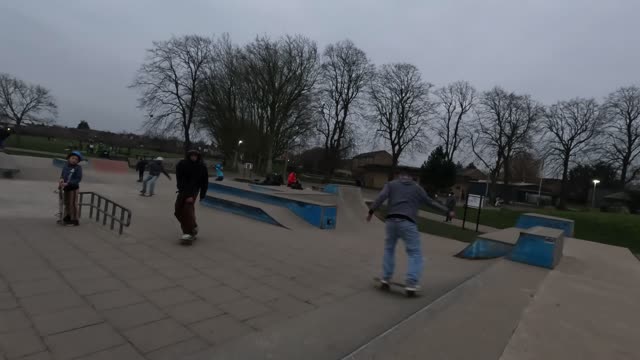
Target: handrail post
<point>113,214</point>
<point>80,205</point>
<point>105,213</point>
<point>121,220</point>
<point>93,198</point>
<point>98,208</point>
<point>102,207</point>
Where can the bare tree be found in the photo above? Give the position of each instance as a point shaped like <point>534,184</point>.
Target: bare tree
<point>279,77</point>
<point>401,108</point>
<point>623,112</point>
<point>572,126</point>
<point>455,102</point>
<point>504,127</point>
<point>344,73</point>
<point>224,108</point>
<point>171,83</point>
<point>521,124</point>
<point>20,101</point>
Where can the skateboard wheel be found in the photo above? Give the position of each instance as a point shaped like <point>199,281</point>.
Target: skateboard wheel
<point>385,287</point>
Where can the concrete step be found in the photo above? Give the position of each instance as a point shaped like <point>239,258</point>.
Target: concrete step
<point>474,321</point>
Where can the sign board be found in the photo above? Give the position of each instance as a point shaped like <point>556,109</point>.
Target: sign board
<point>248,166</point>
<point>474,201</point>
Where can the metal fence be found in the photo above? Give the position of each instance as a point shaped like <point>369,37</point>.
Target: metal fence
<point>110,211</point>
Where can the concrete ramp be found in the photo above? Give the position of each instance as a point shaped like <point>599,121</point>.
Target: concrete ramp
<point>8,166</point>
<point>352,210</point>
<point>110,166</point>
<point>474,321</point>
<point>491,245</point>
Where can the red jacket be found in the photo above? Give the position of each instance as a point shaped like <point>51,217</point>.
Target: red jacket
<point>292,178</point>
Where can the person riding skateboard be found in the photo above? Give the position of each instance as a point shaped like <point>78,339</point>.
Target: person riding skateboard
<point>405,197</point>
<point>193,179</point>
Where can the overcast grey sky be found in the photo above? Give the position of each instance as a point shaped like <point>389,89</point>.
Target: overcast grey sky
<point>87,51</point>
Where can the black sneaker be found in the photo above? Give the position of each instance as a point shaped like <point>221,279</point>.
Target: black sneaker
<point>75,223</point>
<point>384,285</point>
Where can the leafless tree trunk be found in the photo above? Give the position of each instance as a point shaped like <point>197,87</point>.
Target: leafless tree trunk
<point>280,76</point>
<point>455,102</point>
<point>224,107</point>
<point>505,124</point>
<point>20,101</point>
<point>344,73</point>
<point>171,83</point>
<point>401,108</point>
<point>521,124</point>
<point>623,111</point>
<point>572,126</point>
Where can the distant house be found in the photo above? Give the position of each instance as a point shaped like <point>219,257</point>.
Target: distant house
<point>523,192</point>
<point>372,169</point>
<point>464,177</point>
<point>375,176</point>
<point>380,157</point>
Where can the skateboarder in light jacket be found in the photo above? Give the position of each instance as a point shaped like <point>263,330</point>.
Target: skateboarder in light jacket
<point>155,169</point>
<point>405,197</point>
<point>193,179</point>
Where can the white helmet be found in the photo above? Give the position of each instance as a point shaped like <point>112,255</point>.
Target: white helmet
<point>159,158</point>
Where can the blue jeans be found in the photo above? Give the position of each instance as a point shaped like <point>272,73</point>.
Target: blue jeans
<point>151,180</point>
<point>408,231</point>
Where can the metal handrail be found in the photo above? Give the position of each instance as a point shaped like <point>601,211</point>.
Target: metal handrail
<point>107,208</point>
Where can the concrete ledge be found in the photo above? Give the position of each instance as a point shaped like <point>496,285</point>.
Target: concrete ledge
<point>240,209</point>
<point>529,220</point>
<point>539,246</point>
<point>485,249</point>
<point>317,214</point>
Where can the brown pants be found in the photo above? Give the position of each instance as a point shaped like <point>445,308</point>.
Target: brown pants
<point>71,204</point>
<point>186,214</point>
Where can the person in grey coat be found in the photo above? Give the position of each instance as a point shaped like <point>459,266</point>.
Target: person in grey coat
<point>404,199</point>
<point>155,169</point>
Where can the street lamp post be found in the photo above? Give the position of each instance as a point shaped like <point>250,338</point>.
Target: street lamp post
<point>235,156</point>
<point>593,197</point>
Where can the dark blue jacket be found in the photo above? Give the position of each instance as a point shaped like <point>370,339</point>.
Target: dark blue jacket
<point>72,175</point>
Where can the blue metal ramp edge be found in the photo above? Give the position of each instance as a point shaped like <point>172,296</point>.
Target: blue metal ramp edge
<point>236,208</point>
<point>485,249</point>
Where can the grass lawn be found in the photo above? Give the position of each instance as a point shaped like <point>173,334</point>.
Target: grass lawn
<point>61,145</point>
<point>438,228</point>
<point>39,143</point>
<point>608,228</point>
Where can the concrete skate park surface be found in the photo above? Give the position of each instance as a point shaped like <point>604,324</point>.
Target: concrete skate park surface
<point>250,290</point>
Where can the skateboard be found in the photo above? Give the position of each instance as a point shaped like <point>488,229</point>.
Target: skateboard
<point>396,285</point>
<point>188,242</point>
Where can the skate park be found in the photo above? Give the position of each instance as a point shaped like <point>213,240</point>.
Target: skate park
<point>294,284</point>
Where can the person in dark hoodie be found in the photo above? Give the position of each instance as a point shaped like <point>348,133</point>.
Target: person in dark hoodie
<point>193,180</point>
<point>70,183</point>
<point>451,206</point>
<point>140,166</point>
<point>405,197</point>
